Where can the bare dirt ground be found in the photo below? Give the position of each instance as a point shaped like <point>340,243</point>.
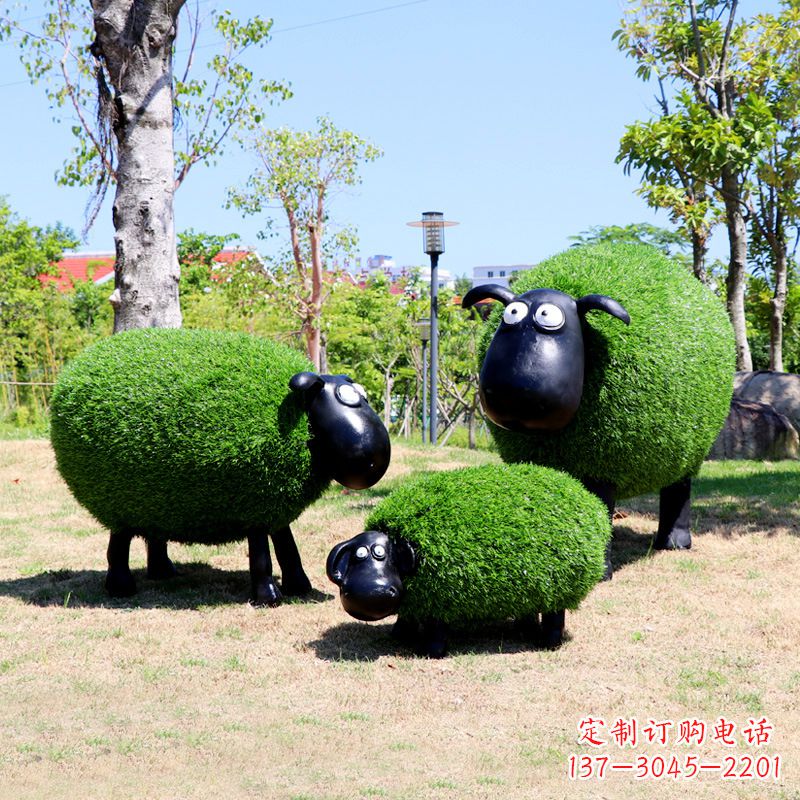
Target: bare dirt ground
<point>187,692</point>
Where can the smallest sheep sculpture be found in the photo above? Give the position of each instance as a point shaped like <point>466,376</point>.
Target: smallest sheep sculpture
<point>473,546</point>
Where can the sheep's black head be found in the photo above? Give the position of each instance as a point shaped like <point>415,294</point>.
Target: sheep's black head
<point>348,440</point>
<point>532,375</point>
<point>369,571</point>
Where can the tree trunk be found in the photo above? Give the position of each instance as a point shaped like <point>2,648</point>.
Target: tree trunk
<point>699,249</point>
<point>387,397</point>
<point>323,353</point>
<point>778,304</point>
<point>134,40</point>
<point>312,328</point>
<point>735,280</point>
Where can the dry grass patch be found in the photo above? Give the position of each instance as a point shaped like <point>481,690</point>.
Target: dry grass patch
<point>187,692</point>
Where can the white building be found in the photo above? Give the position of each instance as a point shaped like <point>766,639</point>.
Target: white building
<point>387,265</point>
<point>496,274</point>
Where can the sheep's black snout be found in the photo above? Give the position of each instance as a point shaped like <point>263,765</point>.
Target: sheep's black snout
<point>372,604</point>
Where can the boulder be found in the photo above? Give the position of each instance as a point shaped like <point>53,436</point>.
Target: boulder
<point>781,390</point>
<point>756,431</point>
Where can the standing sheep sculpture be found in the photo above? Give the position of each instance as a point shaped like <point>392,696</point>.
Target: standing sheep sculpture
<point>472,546</point>
<point>626,408</point>
<point>208,437</point>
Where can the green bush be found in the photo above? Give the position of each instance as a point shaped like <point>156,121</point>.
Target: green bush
<point>496,541</point>
<point>656,393</point>
<point>185,435</point>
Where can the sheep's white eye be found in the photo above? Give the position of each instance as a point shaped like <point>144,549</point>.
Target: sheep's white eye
<point>348,394</point>
<point>379,551</point>
<point>362,552</point>
<point>360,389</point>
<point>515,312</point>
<point>549,317</point>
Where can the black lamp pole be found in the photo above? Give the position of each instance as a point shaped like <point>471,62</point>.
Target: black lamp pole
<point>424,327</point>
<point>433,224</point>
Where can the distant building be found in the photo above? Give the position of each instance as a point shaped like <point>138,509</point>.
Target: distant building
<point>496,274</point>
<point>388,266</point>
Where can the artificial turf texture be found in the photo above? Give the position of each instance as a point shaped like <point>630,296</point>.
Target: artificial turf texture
<point>656,393</point>
<point>185,435</point>
<point>496,542</point>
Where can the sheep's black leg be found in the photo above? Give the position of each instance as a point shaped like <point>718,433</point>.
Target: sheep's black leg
<point>294,580</point>
<point>159,565</point>
<point>434,639</point>
<point>674,518</point>
<point>264,592</point>
<point>119,579</point>
<point>405,630</point>
<point>607,493</point>
<point>530,627</point>
<point>553,628</point>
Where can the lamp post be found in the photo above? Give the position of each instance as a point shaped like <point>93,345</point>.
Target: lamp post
<point>424,329</point>
<point>433,224</point>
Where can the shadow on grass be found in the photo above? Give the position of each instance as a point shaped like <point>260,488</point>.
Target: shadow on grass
<point>628,546</point>
<point>753,500</point>
<point>197,585</point>
<point>365,642</point>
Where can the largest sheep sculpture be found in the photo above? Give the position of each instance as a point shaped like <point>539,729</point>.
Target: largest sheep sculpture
<point>209,437</point>
<point>475,545</point>
<point>626,408</point>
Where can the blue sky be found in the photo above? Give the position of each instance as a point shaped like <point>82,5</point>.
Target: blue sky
<point>505,116</point>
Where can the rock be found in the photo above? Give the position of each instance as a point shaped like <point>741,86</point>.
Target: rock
<point>780,389</point>
<point>756,431</point>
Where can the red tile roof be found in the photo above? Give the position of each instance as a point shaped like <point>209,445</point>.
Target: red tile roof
<point>75,267</point>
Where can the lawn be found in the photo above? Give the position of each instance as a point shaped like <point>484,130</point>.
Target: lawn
<point>187,692</point>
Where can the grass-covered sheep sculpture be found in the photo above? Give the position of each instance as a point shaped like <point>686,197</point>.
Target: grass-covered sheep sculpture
<point>475,545</point>
<point>208,437</point>
<point>630,400</point>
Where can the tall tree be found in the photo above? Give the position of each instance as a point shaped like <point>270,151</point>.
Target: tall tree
<point>734,129</point>
<point>661,149</point>
<point>699,46</point>
<point>774,203</point>
<point>302,170</point>
<point>128,72</point>
<point>133,48</point>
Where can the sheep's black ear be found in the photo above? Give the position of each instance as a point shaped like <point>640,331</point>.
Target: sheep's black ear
<point>303,381</point>
<point>600,302</point>
<point>405,557</point>
<point>492,290</point>
<point>338,558</point>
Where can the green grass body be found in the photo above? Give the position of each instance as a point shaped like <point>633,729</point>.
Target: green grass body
<point>496,541</point>
<point>185,435</point>
<point>656,393</point>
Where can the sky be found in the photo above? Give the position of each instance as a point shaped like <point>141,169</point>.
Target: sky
<point>505,116</point>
